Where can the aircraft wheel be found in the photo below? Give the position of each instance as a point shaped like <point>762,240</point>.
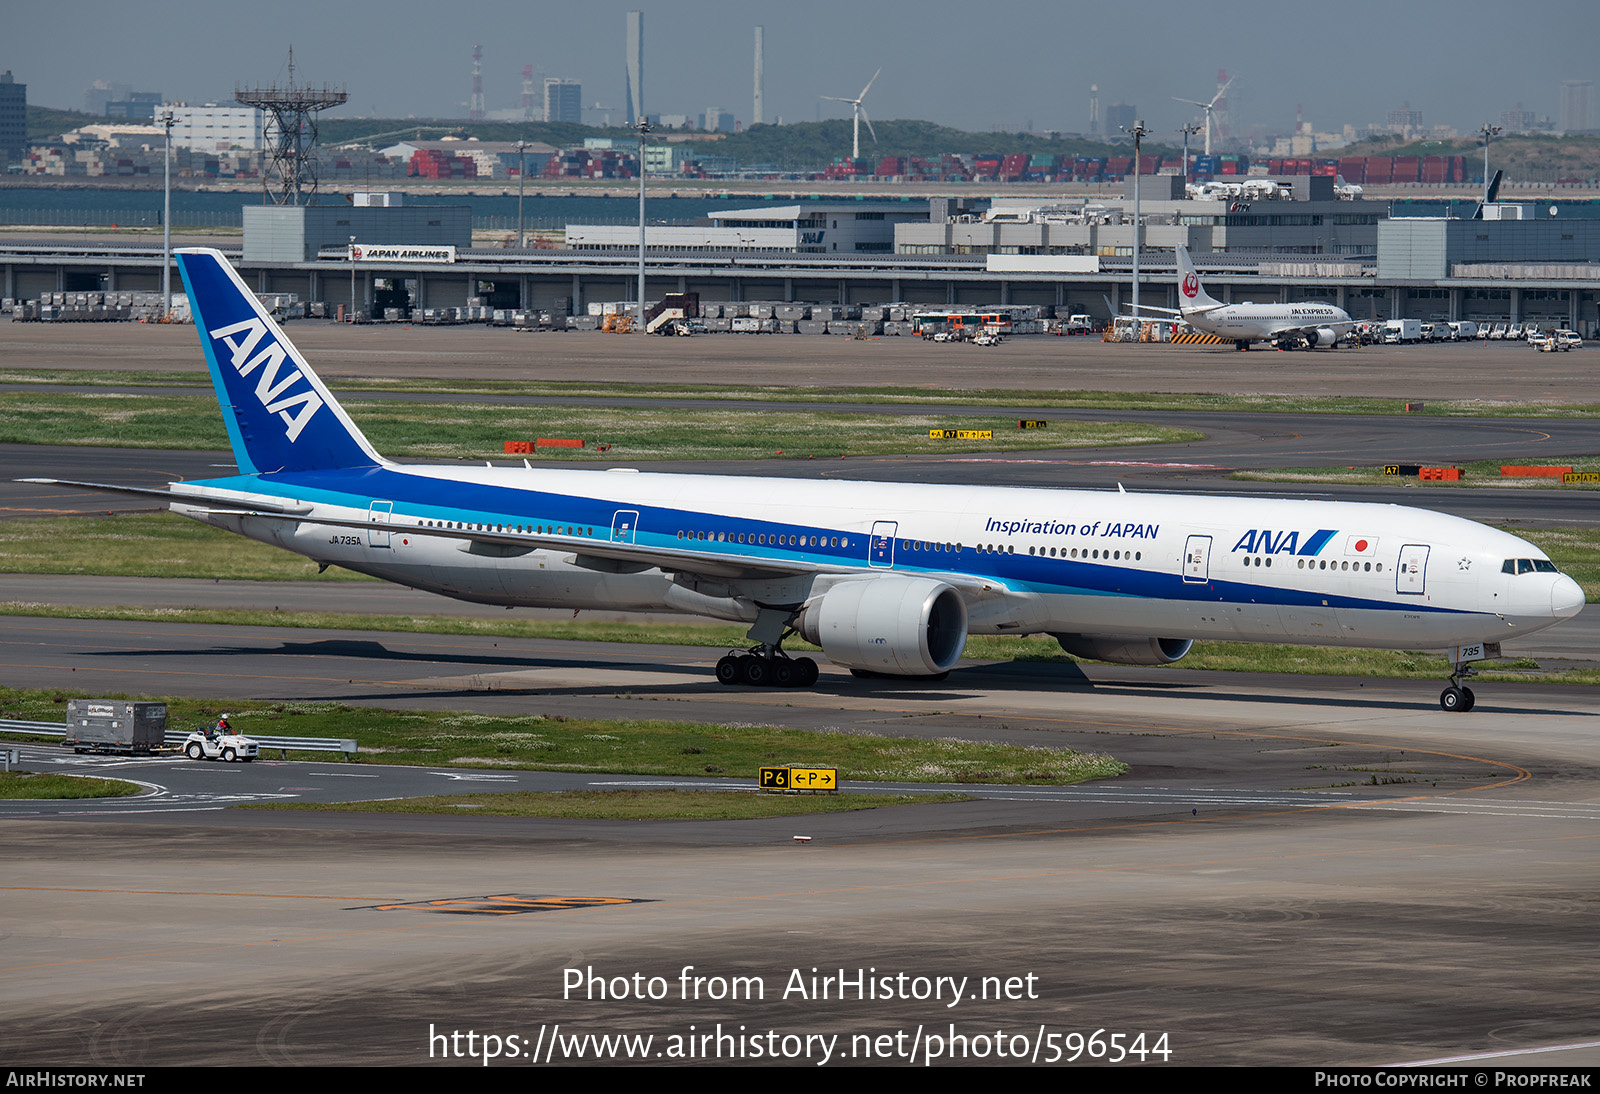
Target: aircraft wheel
<point>195,751</point>
<point>783,674</point>
<point>755,671</point>
<point>1468,700</point>
<point>728,670</point>
<point>806,672</point>
<point>1452,699</point>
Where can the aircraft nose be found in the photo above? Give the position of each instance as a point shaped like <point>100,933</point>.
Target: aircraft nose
<point>1566,598</point>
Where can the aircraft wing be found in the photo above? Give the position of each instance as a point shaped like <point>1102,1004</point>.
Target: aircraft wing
<point>483,539</point>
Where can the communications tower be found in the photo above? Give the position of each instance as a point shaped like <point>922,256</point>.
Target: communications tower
<point>292,172</point>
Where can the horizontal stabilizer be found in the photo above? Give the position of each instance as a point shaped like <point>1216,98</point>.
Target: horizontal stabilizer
<point>171,495</point>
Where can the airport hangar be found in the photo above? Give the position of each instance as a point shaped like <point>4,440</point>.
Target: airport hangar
<point>1074,257</point>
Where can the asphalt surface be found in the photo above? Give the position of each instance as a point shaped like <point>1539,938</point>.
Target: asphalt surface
<point>1297,870</point>
<point>1487,371</point>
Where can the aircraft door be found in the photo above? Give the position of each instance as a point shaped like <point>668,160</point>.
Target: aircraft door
<point>880,547</point>
<point>1410,576</point>
<point>379,512</point>
<point>624,525</point>
<point>1197,560</point>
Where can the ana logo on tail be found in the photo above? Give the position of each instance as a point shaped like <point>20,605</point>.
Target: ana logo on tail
<point>269,390</point>
<point>1191,284</point>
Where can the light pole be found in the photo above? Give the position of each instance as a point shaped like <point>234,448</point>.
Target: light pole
<point>643,127</point>
<point>522,173</point>
<point>352,279</point>
<point>1187,131</point>
<point>1488,132</point>
<point>1137,133</point>
<point>166,219</point>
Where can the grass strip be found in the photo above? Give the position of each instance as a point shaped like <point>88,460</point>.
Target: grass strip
<point>443,430</point>
<point>629,804</point>
<point>18,785</point>
<point>886,394</point>
<point>541,742</point>
<point>153,544</point>
<point>1475,473</point>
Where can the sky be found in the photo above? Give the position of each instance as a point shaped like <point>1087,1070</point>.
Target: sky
<point>1003,64</point>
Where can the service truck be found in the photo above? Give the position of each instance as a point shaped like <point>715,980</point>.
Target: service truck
<point>1402,330</point>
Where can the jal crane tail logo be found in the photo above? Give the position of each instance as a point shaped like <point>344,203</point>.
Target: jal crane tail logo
<point>1191,285</point>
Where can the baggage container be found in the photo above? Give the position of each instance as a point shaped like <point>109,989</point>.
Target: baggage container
<point>115,725</point>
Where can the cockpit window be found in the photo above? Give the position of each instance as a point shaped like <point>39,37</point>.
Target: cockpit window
<point>1528,566</point>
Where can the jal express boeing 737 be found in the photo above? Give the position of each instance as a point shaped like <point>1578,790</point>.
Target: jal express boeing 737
<point>1304,325</point>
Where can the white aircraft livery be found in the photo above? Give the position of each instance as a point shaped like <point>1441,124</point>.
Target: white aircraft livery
<point>886,578</point>
<point>1287,326</point>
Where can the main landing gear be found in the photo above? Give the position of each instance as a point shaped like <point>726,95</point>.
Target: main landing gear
<point>766,666</point>
<point>1458,697</point>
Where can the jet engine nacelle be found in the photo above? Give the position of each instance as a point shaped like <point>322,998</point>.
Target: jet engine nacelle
<point>901,626</point>
<point>1125,651</point>
<point>1325,336</point>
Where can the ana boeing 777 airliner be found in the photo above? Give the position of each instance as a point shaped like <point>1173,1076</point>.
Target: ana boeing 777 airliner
<point>886,578</point>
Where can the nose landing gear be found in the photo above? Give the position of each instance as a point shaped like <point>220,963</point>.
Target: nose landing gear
<point>1458,697</point>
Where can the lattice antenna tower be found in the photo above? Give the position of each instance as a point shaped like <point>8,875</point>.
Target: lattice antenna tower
<point>292,173</point>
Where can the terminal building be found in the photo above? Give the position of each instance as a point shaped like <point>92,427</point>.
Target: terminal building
<point>1294,215</point>
<point>812,227</point>
<point>1520,263</point>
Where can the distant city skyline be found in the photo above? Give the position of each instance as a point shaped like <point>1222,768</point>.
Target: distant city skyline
<point>1012,65</point>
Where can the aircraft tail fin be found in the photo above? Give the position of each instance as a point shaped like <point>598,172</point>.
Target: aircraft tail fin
<point>280,416</point>
<point>1490,193</point>
<point>1191,294</point>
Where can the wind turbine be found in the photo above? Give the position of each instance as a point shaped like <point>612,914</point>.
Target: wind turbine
<point>860,115</point>
<point>1209,107</point>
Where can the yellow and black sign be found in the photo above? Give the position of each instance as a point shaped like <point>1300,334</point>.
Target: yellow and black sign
<point>961,434</point>
<point>798,778</point>
<point>1581,476</point>
<point>1407,469</point>
<point>1032,423</point>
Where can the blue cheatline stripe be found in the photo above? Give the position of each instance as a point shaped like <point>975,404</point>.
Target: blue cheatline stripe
<point>418,497</point>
